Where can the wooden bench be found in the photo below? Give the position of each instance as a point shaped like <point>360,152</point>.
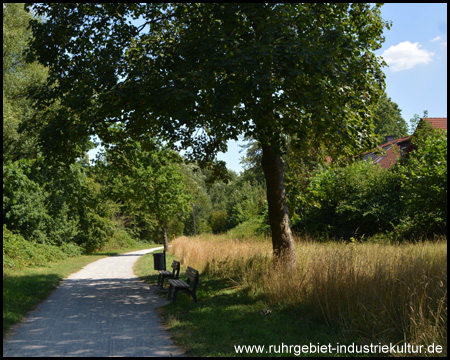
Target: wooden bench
<point>189,286</point>
<point>169,274</point>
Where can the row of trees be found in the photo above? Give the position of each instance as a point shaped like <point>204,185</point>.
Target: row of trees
<point>135,190</point>
<point>301,80</point>
<point>62,208</point>
<point>197,75</point>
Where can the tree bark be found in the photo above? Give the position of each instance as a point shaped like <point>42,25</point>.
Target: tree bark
<point>282,239</point>
<point>166,242</point>
<point>193,216</point>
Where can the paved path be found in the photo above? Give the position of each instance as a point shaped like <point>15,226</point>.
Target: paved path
<point>102,310</point>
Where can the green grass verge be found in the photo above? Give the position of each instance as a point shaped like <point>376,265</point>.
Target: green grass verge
<point>24,289</point>
<point>227,315</point>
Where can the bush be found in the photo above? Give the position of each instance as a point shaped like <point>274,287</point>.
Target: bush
<point>245,201</point>
<point>97,231</point>
<point>18,252</point>
<point>424,185</point>
<point>57,206</point>
<point>408,201</point>
<point>121,239</point>
<point>247,229</point>
<point>218,221</point>
<point>63,226</point>
<point>70,249</point>
<point>24,202</point>
<point>360,199</point>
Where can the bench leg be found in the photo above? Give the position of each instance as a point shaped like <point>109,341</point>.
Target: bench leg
<point>175,294</point>
<point>159,279</point>
<point>170,292</point>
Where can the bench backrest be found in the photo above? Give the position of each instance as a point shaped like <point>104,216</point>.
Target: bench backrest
<point>176,269</point>
<point>192,275</point>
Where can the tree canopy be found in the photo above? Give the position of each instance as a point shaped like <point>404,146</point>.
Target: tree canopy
<point>259,69</point>
<point>198,75</point>
<point>148,182</point>
<point>388,119</point>
<point>19,138</point>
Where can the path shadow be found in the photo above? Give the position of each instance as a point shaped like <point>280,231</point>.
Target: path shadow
<point>107,317</point>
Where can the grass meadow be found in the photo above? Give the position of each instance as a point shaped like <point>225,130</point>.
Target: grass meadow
<point>341,293</point>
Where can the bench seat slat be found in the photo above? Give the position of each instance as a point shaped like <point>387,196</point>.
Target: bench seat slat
<point>179,284</point>
<point>190,286</point>
<point>165,272</point>
<point>169,274</point>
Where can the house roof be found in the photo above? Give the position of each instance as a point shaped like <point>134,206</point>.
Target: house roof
<point>389,153</point>
<point>438,123</point>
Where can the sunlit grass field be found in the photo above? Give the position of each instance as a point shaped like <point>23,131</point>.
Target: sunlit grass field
<point>363,292</point>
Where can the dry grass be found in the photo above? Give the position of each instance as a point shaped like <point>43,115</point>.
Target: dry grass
<point>377,292</point>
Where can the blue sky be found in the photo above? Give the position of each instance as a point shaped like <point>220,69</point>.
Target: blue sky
<point>416,52</point>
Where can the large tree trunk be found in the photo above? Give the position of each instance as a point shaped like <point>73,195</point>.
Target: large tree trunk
<point>282,240</point>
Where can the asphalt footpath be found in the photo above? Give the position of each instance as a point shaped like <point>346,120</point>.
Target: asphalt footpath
<point>102,310</point>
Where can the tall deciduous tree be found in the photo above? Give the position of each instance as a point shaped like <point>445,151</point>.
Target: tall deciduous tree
<point>201,74</point>
<point>150,181</point>
<point>388,119</point>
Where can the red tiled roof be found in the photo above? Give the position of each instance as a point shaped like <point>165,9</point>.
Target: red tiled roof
<point>393,149</point>
<point>391,152</point>
<point>438,123</point>
<point>387,154</point>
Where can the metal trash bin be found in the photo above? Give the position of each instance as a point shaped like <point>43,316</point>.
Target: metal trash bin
<point>159,261</point>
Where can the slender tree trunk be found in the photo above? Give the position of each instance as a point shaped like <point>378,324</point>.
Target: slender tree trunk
<point>282,240</point>
<point>166,242</point>
<point>193,216</point>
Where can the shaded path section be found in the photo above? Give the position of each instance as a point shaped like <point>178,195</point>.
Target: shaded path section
<point>102,310</point>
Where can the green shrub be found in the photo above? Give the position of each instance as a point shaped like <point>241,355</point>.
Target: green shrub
<point>408,201</point>
<point>247,229</point>
<point>24,202</point>
<point>18,252</point>
<point>63,227</point>
<point>424,185</point>
<point>360,199</point>
<point>70,249</point>
<point>121,239</point>
<point>97,230</point>
<point>218,221</point>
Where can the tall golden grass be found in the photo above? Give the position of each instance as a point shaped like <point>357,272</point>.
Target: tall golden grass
<point>376,291</point>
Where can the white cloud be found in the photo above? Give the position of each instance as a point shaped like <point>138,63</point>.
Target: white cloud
<point>406,55</point>
<point>442,42</point>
